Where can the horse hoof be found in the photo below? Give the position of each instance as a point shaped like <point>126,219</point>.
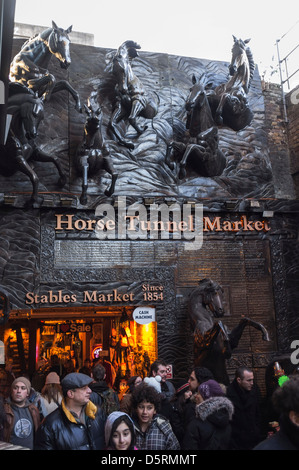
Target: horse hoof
<point>130,145</point>
<point>34,202</point>
<point>83,200</point>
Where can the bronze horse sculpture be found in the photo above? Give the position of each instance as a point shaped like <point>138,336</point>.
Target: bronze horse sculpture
<point>201,145</point>
<point>131,100</point>
<point>93,154</point>
<point>228,101</point>
<point>30,66</point>
<point>20,149</point>
<point>213,343</point>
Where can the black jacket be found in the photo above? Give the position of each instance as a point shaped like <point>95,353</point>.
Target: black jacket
<point>62,431</point>
<point>210,429</point>
<point>246,422</point>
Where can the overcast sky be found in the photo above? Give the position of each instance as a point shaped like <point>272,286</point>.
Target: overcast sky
<point>191,28</point>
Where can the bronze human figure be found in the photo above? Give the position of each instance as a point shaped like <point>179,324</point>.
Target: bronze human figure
<point>131,98</point>
<point>94,154</point>
<point>30,66</point>
<point>27,111</point>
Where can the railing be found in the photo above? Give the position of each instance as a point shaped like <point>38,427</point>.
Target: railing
<point>289,64</point>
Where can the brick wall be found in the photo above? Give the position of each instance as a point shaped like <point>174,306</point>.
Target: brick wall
<point>292,103</point>
<point>276,124</point>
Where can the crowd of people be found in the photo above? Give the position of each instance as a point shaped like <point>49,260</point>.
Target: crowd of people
<point>80,411</point>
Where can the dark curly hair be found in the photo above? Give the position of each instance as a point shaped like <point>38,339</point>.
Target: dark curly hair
<point>286,398</point>
<point>144,392</point>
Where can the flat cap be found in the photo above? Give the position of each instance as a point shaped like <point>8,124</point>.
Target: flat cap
<point>75,380</point>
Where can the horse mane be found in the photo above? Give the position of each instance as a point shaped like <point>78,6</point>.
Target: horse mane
<point>207,286</point>
<point>251,64</point>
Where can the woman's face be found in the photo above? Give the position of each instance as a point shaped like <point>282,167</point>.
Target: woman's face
<point>145,412</point>
<point>121,437</point>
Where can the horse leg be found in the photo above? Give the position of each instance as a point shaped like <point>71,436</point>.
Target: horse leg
<point>41,156</point>
<point>110,191</point>
<point>25,168</point>
<point>168,155</point>
<point>43,86</point>
<point>108,166</point>
<point>136,109</point>
<point>190,148</point>
<point>64,85</point>
<point>219,110</point>
<point>85,166</point>
<point>118,114</point>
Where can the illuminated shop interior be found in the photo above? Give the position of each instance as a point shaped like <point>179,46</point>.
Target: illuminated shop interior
<point>110,335</point>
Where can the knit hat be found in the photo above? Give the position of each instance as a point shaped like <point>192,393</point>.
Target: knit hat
<point>182,387</point>
<point>52,378</point>
<point>153,382</point>
<point>209,389</point>
<point>25,381</point>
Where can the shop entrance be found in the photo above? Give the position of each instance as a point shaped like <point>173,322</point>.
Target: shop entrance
<point>68,337</point>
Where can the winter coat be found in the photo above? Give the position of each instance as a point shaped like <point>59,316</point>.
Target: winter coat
<point>158,436</point>
<point>210,429</point>
<point>287,438</point>
<point>246,422</point>
<point>9,422</point>
<point>61,430</point>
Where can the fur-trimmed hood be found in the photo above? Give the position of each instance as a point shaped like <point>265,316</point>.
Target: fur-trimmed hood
<point>212,406</point>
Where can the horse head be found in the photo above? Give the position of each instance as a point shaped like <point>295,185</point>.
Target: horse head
<point>59,44</point>
<point>197,94</point>
<point>212,296</point>
<point>205,304</point>
<point>93,120</point>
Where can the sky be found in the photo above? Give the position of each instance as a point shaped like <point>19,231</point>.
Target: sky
<point>190,28</point>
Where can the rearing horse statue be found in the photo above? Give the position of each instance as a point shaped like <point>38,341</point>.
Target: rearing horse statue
<point>30,66</point>
<point>132,100</point>
<point>213,343</point>
<point>93,154</point>
<point>229,99</point>
<point>201,140</point>
<point>27,111</point>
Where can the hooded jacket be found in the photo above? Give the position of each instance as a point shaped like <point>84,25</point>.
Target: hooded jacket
<point>109,424</point>
<point>9,422</point>
<point>210,429</point>
<point>61,430</point>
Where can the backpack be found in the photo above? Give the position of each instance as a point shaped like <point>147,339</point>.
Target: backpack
<point>110,401</point>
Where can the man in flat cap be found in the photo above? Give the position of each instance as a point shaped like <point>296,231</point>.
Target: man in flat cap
<point>77,424</point>
<point>22,417</point>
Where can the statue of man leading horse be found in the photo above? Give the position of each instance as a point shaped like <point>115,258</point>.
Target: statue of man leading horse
<point>213,343</point>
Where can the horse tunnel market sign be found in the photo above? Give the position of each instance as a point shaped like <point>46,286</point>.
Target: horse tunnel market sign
<point>135,227</point>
